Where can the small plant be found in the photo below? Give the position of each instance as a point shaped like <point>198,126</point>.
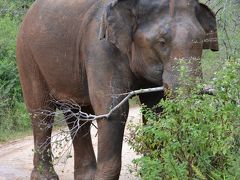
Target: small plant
<point>197,136</point>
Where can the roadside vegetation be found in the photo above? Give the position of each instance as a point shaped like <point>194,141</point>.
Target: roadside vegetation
<point>14,120</point>
<point>197,136</point>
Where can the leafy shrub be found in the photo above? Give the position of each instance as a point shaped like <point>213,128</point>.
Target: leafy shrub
<point>197,136</point>
<point>12,109</point>
<point>10,86</point>
<point>14,9</point>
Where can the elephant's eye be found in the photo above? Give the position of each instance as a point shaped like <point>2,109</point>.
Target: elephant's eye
<point>162,42</point>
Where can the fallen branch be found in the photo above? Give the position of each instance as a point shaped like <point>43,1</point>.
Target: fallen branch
<point>129,95</point>
<point>63,137</point>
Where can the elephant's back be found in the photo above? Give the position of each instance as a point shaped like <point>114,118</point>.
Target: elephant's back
<point>51,32</point>
<point>55,18</point>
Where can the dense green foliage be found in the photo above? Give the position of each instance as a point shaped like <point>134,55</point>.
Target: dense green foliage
<point>13,116</point>
<point>197,136</point>
<point>14,9</point>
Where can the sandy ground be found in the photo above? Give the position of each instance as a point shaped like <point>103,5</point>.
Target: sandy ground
<point>16,157</point>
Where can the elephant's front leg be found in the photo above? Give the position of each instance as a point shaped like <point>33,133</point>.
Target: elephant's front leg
<point>110,139</point>
<point>84,157</point>
<point>109,76</point>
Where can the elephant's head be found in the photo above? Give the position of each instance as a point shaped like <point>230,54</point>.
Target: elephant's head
<point>155,34</point>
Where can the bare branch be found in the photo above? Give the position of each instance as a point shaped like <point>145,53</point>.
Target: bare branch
<point>62,140</point>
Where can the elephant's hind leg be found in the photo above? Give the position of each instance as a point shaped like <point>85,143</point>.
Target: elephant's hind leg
<point>84,157</point>
<point>37,98</point>
<point>42,121</point>
<point>42,129</point>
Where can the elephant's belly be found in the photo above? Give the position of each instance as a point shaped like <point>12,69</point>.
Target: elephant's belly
<point>70,91</point>
<point>70,97</point>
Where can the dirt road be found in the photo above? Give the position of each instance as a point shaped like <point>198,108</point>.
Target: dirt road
<point>16,157</point>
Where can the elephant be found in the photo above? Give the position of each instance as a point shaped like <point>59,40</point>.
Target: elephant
<point>90,50</point>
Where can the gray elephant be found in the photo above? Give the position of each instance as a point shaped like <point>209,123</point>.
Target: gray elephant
<point>89,50</point>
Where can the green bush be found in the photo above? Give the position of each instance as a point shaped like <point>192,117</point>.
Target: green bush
<point>10,86</point>
<point>14,9</point>
<point>13,116</point>
<point>197,136</point>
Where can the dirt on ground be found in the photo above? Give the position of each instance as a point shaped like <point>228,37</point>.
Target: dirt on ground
<point>16,157</point>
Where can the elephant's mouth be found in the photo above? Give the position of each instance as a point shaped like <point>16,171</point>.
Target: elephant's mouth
<point>154,75</point>
<point>156,80</point>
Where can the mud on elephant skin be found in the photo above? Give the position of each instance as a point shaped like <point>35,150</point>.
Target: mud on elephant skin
<point>89,50</point>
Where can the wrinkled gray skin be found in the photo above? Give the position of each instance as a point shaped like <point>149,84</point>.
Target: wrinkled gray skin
<point>89,50</point>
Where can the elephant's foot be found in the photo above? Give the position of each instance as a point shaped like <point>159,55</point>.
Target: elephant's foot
<point>109,173</point>
<point>107,176</point>
<point>86,174</point>
<point>43,175</point>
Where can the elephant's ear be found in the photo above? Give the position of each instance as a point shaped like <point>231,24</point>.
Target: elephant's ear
<point>117,24</point>
<point>208,21</point>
